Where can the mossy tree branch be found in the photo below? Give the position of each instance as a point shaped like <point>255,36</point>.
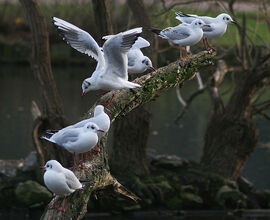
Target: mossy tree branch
<point>154,84</point>
<point>97,174</point>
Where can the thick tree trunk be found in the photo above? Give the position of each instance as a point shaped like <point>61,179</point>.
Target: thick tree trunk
<point>101,9</point>
<point>130,141</point>
<point>53,116</point>
<point>232,134</point>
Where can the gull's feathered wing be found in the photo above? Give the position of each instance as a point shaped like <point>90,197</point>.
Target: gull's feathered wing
<point>177,33</point>
<point>115,52</point>
<point>71,180</point>
<point>80,40</point>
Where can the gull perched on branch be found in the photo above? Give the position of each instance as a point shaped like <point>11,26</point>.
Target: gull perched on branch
<point>60,181</point>
<point>100,118</point>
<point>137,62</point>
<point>76,140</point>
<point>183,34</point>
<point>112,69</point>
<point>216,26</point>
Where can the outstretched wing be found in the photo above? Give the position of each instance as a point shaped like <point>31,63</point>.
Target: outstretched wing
<point>116,49</point>
<point>79,40</point>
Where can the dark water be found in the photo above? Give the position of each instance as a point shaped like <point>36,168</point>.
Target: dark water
<point>19,88</point>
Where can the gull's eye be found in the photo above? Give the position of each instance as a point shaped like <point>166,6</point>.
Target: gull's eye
<point>227,19</point>
<point>143,61</point>
<point>93,127</point>
<point>200,23</point>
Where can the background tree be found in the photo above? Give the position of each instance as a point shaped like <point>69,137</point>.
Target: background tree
<point>52,114</point>
<point>227,152</point>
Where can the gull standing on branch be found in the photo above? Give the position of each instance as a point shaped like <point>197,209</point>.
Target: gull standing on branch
<point>76,140</point>
<point>216,26</point>
<point>101,119</point>
<point>112,69</point>
<point>183,34</point>
<point>60,181</point>
<point>137,62</point>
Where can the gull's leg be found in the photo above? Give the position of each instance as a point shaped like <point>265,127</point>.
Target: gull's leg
<point>106,104</point>
<point>186,53</point>
<point>53,206</point>
<point>74,161</point>
<point>95,150</point>
<point>62,208</point>
<point>209,46</point>
<point>103,93</point>
<point>180,56</point>
<point>82,165</point>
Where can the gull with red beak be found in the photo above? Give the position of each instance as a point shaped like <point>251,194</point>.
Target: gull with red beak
<point>112,68</point>
<point>61,181</point>
<point>183,35</point>
<point>137,62</point>
<point>100,118</point>
<point>216,26</point>
<point>76,140</point>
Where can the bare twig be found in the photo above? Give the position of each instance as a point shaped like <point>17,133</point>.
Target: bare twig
<point>188,103</point>
<point>179,97</point>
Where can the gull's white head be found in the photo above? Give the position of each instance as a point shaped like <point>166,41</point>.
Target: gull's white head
<point>98,110</point>
<point>147,63</point>
<point>53,165</point>
<point>92,127</point>
<point>88,85</point>
<point>225,18</point>
<point>198,23</point>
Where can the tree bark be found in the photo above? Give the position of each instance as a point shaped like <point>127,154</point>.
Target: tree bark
<point>232,134</point>
<point>101,9</point>
<point>53,115</point>
<point>126,100</point>
<point>130,142</point>
<point>132,132</point>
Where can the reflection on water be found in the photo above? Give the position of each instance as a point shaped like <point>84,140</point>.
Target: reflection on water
<point>19,88</point>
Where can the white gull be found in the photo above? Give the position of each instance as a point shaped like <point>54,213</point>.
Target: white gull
<point>217,26</point>
<point>60,181</point>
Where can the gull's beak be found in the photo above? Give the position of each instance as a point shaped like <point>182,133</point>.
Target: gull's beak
<point>83,94</point>
<point>233,22</point>
<point>99,130</point>
<point>152,68</point>
<point>206,25</point>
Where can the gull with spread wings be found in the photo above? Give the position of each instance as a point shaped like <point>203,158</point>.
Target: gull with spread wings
<point>111,72</point>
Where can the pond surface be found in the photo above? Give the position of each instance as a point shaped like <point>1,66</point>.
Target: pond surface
<point>19,88</point>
